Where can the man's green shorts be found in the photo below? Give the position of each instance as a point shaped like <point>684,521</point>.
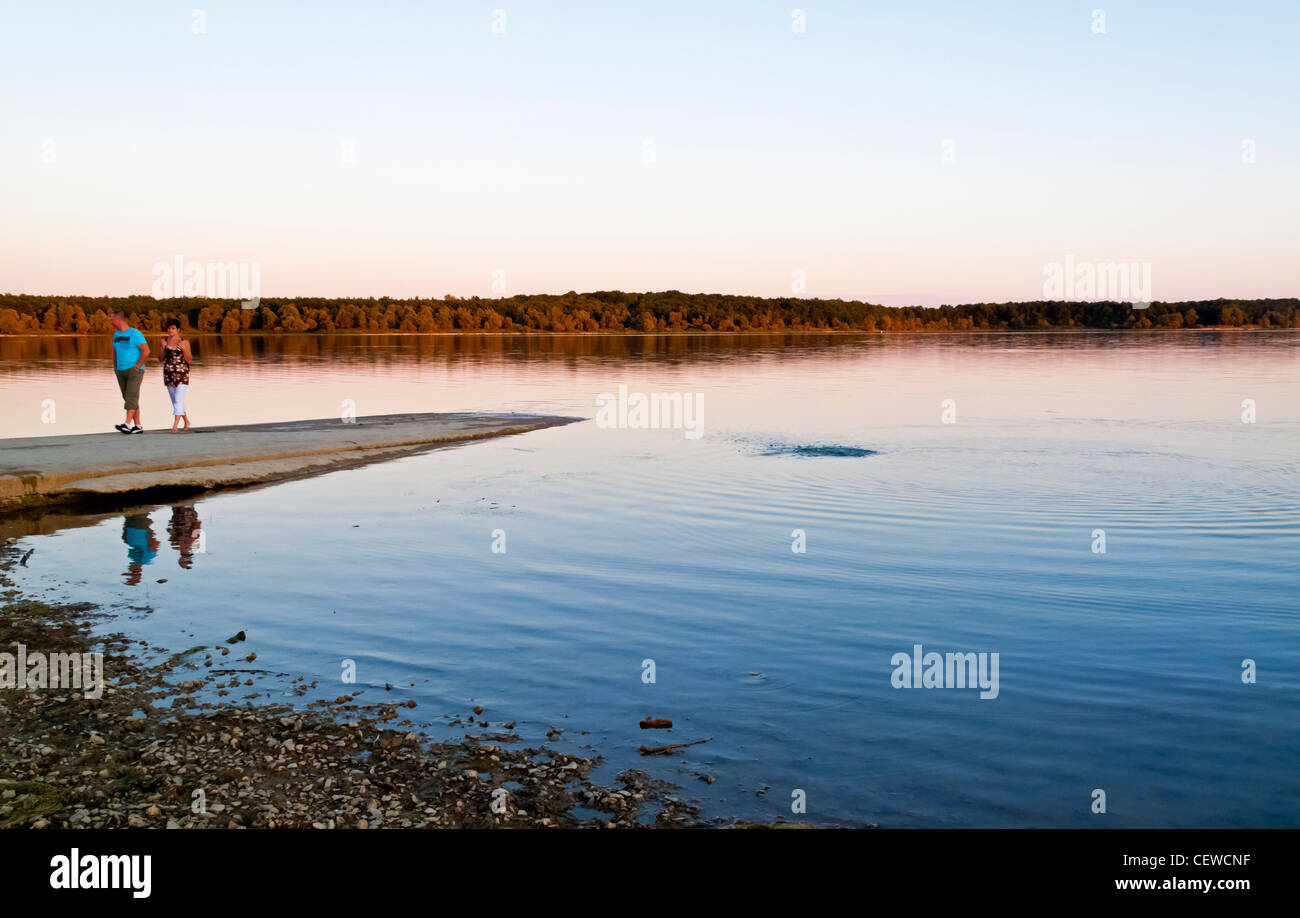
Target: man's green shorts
<point>129,382</point>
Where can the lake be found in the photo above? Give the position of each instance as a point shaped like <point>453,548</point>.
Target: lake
<point>1115,516</point>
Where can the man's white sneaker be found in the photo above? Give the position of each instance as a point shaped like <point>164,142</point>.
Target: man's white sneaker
<point>136,429</point>
<point>122,428</point>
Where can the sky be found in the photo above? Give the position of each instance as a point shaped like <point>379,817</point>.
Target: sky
<point>900,153</point>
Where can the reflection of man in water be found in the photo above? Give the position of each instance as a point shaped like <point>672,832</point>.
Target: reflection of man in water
<point>141,546</point>
<point>183,532</point>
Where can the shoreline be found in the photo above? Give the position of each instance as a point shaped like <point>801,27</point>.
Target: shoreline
<point>71,761</point>
<point>683,333</point>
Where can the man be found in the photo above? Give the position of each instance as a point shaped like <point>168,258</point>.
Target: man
<point>130,351</point>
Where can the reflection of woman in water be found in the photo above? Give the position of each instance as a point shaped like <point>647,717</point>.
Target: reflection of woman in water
<point>183,532</point>
<point>141,546</point>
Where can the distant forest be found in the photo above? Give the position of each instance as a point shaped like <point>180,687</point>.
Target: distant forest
<point>615,312</point>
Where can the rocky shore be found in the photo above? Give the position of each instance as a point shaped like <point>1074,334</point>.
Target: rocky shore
<point>153,751</point>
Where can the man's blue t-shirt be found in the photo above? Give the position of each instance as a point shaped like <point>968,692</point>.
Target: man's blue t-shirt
<point>126,346</point>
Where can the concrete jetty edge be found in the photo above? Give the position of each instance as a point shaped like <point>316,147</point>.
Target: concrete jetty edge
<point>90,469</point>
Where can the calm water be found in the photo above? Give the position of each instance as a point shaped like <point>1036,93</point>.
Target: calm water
<point>1119,671</point>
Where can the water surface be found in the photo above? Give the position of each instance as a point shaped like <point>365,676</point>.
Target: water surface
<point>1118,670</point>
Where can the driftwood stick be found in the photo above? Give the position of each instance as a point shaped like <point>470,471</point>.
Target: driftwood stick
<point>667,750</point>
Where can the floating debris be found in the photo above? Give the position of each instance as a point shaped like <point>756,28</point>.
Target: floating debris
<point>670,748</point>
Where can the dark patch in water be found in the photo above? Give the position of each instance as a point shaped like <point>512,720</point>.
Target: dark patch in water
<point>839,451</point>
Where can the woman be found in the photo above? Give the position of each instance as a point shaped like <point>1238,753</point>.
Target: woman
<point>176,359</point>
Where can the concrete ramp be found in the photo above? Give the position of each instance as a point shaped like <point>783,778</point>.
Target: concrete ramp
<point>47,471</point>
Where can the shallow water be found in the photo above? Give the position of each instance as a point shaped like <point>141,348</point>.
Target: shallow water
<point>1118,670</point>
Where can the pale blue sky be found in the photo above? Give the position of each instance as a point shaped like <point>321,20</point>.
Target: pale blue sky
<point>407,149</point>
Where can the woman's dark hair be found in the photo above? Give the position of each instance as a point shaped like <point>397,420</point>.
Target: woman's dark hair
<point>171,323</point>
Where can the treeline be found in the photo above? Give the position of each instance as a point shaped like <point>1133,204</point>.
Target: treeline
<point>614,311</point>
